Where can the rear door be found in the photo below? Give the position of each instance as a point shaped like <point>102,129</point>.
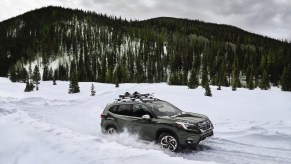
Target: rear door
<point>121,113</point>
<point>123,117</point>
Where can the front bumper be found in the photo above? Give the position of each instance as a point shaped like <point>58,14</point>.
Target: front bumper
<point>191,139</point>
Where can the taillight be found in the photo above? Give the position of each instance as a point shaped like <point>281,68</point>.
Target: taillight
<point>102,115</point>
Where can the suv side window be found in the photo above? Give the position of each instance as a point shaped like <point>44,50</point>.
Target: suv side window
<point>139,110</point>
<point>124,109</point>
<point>113,109</point>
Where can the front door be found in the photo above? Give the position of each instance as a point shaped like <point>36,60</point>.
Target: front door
<point>145,128</point>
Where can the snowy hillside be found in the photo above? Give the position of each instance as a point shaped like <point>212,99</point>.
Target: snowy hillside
<point>51,126</point>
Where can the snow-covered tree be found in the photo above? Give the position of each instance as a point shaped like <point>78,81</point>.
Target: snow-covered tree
<point>116,83</point>
<point>74,84</point>
<point>286,79</point>
<point>265,82</point>
<point>54,82</point>
<point>54,78</point>
<point>235,82</point>
<point>36,76</point>
<point>207,89</point>
<point>29,87</point>
<point>93,92</point>
<point>193,80</point>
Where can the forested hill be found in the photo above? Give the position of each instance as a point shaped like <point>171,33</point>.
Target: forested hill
<point>103,48</point>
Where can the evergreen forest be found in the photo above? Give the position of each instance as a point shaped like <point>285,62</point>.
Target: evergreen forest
<point>89,47</point>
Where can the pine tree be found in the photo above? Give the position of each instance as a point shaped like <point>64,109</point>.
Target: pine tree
<point>45,73</point>
<point>204,72</point>
<point>54,82</point>
<point>286,79</point>
<point>54,77</point>
<point>265,82</point>
<point>29,87</point>
<point>13,74</point>
<point>205,81</point>
<point>74,84</point>
<point>222,81</point>
<point>235,82</point>
<point>50,74</point>
<point>174,78</point>
<point>36,76</point>
<point>193,81</point>
<point>207,89</point>
<point>250,78</point>
<point>120,73</point>
<point>23,77</point>
<point>250,84</point>
<point>116,83</point>
<point>73,66</point>
<point>29,84</point>
<point>256,76</point>
<point>93,92</point>
<point>29,73</point>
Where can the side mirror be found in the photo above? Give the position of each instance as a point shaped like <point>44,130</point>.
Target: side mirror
<point>146,117</point>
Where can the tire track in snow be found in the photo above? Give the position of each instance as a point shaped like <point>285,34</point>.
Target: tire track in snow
<point>225,151</point>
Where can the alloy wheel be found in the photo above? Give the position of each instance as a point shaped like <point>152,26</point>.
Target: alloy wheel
<point>169,142</point>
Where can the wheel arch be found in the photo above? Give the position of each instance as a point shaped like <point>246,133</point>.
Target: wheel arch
<point>110,125</point>
<point>165,130</point>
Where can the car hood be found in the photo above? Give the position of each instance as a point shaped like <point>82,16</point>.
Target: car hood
<point>189,117</point>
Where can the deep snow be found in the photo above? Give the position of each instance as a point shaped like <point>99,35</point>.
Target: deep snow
<point>52,126</point>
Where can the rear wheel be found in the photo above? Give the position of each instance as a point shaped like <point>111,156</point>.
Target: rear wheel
<point>111,130</point>
<point>168,141</point>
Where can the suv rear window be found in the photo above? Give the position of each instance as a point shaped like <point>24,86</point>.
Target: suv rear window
<point>124,109</point>
<point>113,109</point>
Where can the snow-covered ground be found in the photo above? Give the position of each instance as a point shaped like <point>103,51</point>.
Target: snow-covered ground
<point>51,126</point>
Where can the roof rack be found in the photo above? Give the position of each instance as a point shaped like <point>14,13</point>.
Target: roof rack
<point>136,96</point>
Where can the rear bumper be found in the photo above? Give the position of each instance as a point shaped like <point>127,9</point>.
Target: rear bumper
<point>103,130</point>
<point>102,125</point>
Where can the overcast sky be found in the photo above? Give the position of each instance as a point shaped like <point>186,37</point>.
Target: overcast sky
<point>267,17</point>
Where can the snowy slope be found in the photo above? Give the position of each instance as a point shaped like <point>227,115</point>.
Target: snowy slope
<point>51,126</point>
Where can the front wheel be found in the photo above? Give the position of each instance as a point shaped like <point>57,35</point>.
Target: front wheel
<point>168,141</point>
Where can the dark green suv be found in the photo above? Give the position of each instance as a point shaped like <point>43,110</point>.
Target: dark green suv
<point>155,120</point>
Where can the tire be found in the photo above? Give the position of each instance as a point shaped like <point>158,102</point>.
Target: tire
<point>111,130</point>
<point>168,141</point>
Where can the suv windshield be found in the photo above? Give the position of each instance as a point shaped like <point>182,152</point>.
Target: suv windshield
<point>162,108</point>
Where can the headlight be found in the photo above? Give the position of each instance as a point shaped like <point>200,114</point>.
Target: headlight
<point>186,125</point>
